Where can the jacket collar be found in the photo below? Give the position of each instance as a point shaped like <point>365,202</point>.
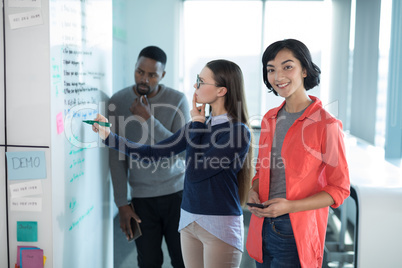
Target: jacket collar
<point>310,112</point>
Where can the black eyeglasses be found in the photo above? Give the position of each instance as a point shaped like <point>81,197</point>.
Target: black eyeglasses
<point>199,83</point>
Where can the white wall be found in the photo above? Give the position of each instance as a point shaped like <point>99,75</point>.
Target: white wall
<point>70,234</point>
<point>27,101</point>
<point>3,222</point>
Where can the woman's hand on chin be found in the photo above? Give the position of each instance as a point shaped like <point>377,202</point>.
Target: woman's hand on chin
<point>197,113</point>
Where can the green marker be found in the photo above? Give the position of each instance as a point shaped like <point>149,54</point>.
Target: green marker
<point>91,122</point>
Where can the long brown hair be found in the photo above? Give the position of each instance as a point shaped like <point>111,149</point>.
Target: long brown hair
<point>228,74</point>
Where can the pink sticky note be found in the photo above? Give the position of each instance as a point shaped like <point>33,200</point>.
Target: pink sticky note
<point>59,123</point>
<point>18,252</point>
<point>32,258</point>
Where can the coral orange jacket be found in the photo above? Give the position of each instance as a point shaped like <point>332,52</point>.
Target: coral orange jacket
<point>314,156</point>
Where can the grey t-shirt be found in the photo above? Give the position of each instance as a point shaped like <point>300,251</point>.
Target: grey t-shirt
<point>170,112</point>
<point>277,186</point>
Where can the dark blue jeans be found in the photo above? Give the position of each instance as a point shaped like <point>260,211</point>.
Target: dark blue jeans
<point>159,218</point>
<point>278,244</point>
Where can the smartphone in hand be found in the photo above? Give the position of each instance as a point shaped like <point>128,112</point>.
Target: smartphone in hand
<point>257,205</point>
<point>135,227</point>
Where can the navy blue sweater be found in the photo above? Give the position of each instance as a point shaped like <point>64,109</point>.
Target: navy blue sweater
<point>214,156</point>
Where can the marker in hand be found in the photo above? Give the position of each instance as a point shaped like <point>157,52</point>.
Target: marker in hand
<point>91,122</point>
<point>100,126</point>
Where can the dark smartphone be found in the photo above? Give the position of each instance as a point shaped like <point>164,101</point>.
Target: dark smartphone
<point>135,229</point>
<point>256,205</point>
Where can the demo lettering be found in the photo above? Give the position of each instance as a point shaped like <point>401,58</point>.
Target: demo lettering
<point>25,162</point>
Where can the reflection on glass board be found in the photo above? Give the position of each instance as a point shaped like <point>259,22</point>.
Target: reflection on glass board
<point>81,84</point>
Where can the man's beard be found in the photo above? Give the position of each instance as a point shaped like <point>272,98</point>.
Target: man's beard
<point>144,90</point>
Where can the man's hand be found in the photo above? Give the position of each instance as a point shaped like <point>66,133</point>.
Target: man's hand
<point>125,215</point>
<point>141,108</point>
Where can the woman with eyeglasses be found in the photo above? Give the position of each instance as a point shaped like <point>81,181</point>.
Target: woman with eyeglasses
<point>218,166</point>
<point>301,167</point>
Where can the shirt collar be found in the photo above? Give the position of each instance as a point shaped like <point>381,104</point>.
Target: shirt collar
<point>219,119</point>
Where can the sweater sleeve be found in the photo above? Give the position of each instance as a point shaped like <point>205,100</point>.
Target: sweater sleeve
<point>175,144</point>
<point>227,151</point>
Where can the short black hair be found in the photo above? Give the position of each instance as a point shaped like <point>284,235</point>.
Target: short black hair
<point>300,52</point>
<point>155,53</point>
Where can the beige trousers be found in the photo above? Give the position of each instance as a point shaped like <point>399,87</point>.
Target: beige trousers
<point>202,249</point>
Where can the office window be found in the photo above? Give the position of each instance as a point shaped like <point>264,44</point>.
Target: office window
<point>307,21</point>
<point>223,30</point>
<point>241,30</point>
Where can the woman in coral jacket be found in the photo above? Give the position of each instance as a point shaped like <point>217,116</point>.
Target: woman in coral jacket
<point>301,167</point>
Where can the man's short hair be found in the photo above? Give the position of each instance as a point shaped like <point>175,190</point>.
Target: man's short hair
<point>154,53</point>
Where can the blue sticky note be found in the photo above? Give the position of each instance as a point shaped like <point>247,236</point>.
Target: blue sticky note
<point>26,165</point>
<point>27,231</point>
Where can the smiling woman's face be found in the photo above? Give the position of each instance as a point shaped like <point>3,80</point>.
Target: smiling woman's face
<point>285,74</point>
